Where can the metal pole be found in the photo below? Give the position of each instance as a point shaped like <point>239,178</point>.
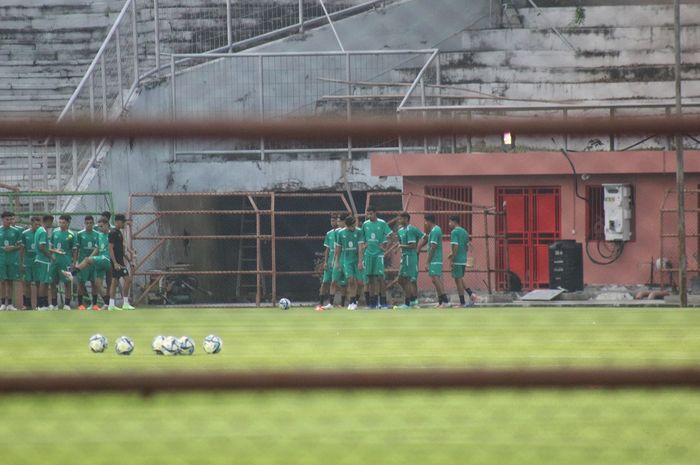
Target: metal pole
<point>261,102</point>
<point>75,156</point>
<point>103,76</point>
<point>134,39</point>
<point>488,254</point>
<point>119,69</point>
<point>273,243</point>
<point>566,136</point>
<point>229,25</point>
<point>680,176</point>
<point>258,261</point>
<point>330,23</point>
<point>348,103</point>
<point>173,102</point>
<point>612,136</point>
<point>156,29</point>
<point>422,102</point>
<point>438,81</point>
<point>92,112</point>
<point>301,15</point>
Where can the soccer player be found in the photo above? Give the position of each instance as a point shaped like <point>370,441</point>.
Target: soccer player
<point>327,291</point>
<point>99,262</point>
<point>347,257</point>
<point>86,243</point>
<point>62,245</point>
<point>42,263</point>
<point>409,236</point>
<point>338,281</point>
<point>10,240</point>
<point>119,258</point>
<point>376,232</point>
<point>433,265</point>
<point>459,244</point>
<point>27,257</point>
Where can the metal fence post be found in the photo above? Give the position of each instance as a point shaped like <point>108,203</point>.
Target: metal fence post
<point>134,39</point>
<point>92,111</point>
<point>156,31</point>
<point>173,103</point>
<point>301,15</point>
<point>120,84</point>
<point>103,76</point>
<point>30,172</point>
<point>348,104</point>
<point>74,155</point>
<point>261,101</point>
<point>612,136</point>
<point>566,136</point>
<point>422,102</point>
<point>229,25</point>
<point>438,82</point>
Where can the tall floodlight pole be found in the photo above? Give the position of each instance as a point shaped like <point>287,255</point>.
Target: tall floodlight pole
<point>680,178</point>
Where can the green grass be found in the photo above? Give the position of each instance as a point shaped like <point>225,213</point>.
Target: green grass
<point>415,427</point>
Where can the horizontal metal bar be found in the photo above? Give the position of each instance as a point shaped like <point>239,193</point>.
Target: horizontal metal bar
<point>494,108</point>
<point>199,212</point>
<point>306,54</point>
<point>201,273</point>
<point>202,194</point>
<point>200,238</point>
<point>299,150</point>
<point>534,378</point>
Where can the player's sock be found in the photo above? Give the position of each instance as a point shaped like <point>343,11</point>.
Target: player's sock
<point>105,299</point>
<point>321,299</point>
<point>126,301</point>
<point>382,300</point>
<point>66,301</point>
<point>111,303</point>
<point>342,301</point>
<point>444,299</point>
<point>27,301</point>
<point>407,301</point>
<point>94,299</point>
<point>374,301</point>
<point>367,299</point>
<point>469,291</point>
<point>80,299</point>
<point>461,299</point>
<point>354,300</point>
<point>54,301</point>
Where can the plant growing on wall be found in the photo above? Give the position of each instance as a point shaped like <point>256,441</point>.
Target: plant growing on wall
<point>579,17</point>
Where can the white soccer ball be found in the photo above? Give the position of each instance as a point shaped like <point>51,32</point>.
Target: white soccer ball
<point>98,343</point>
<point>124,346</point>
<point>170,346</point>
<point>157,344</point>
<point>284,303</point>
<point>212,344</point>
<point>186,346</point>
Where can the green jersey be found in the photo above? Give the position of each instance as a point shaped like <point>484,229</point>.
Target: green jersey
<point>103,245</point>
<point>29,245</point>
<point>409,235</point>
<point>329,243</point>
<point>435,237</point>
<point>349,242</point>
<point>460,238</point>
<point>9,236</point>
<point>63,241</point>
<point>41,237</point>
<point>86,242</point>
<point>376,233</point>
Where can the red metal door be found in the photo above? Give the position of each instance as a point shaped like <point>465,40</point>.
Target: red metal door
<point>532,223</point>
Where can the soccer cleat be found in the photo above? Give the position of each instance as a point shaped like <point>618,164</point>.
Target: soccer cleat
<point>327,306</point>
<point>319,308</point>
<point>384,307</point>
<point>352,307</point>
<point>43,309</point>
<point>81,307</point>
<point>11,308</point>
<point>66,307</point>
<point>128,307</point>
<point>96,308</point>
<point>113,308</point>
<point>105,307</point>
<point>404,307</point>
<point>51,308</point>
<point>414,304</point>
<point>3,307</point>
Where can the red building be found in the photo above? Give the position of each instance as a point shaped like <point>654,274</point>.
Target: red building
<point>542,205</point>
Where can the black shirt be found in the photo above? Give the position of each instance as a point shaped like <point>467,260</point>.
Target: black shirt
<point>117,240</point>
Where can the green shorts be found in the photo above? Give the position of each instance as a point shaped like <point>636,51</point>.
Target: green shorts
<point>101,266</point>
<point>435,269</point>
<point>29,276</point>
<point>409,267</point>
<point>42,272</point>
<point>351,272</point>
<point>338,277</point>
<point>58,266</point>
<point>458,271</point>
<point>87,275</point>
<point>9,272</point>
<point>374,265</point>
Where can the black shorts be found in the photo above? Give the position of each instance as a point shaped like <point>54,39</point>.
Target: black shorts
<point>120,273</point>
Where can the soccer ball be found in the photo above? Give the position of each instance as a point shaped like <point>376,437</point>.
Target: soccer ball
<point>284,303</point>
<point>212,344</point>
<point>170,346</point>
<point>98,343</point>
<point>157,344</point>
<point>186,346</point>
<point>124,346</point>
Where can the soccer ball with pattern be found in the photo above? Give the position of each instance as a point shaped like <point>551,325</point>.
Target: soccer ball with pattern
<point>284,303</point>
<point>98,343</point>
<point>170,346</point>
<point>212,344</point>
<point>186,346</point>
<point>124,346</point>
<point>157,344</point>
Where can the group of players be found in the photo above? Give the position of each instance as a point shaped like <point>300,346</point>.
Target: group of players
<point>354,260</point>
<point>36,261</point>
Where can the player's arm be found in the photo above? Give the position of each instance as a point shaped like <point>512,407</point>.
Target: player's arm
<point>361,246</point>
<point>75,252</point>
<point>454,245</point>
<point>336,255</point>
<point>325,257</point>
<point>432,247</point>
<point>21,257</point>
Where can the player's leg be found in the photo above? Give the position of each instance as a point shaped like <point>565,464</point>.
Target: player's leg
<point>101,266</point>
<point>413,278</point>
<point>126,288</point>
<point>351,275</point>
<point>15,284</point>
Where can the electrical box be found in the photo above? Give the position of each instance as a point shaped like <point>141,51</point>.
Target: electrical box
<point>617,204</point>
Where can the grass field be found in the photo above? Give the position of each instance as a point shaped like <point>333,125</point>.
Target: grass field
<point>413,427</point>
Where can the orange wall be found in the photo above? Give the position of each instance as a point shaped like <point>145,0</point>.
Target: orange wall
<point>651,173</point>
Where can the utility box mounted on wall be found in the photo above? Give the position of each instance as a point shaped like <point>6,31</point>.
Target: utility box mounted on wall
<point>617,204</point>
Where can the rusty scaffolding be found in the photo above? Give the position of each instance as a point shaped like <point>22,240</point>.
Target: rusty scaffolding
<point>149,232</point>
<point>667,264</point>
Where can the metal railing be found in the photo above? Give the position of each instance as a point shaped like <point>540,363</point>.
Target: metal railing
<point>347,84</point>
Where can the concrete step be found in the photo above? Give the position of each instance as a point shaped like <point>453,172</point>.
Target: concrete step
<point>584,38</point>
